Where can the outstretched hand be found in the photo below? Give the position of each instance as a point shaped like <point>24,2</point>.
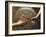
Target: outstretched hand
<point>22,20</point>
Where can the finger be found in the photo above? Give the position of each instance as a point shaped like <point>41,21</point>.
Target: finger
<point>24,19</point>
<point>21,18</point>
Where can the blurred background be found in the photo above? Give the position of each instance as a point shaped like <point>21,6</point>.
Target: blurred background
<point>17,12</point>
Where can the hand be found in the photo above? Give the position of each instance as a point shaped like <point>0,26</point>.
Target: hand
<point>22,20</point>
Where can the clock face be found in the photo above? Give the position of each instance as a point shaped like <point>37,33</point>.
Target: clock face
<point>28,12</point>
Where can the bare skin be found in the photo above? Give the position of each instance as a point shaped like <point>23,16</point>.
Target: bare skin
<point>24,19</point>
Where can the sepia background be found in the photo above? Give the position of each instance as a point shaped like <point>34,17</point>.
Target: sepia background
<point>28,25</point>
